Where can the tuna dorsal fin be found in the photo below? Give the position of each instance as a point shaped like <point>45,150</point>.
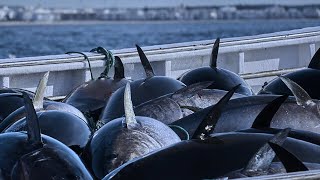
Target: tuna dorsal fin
<point>315,61</point>
<point>190,90</point>
<point>289,161</point>
<point>118,68</point>
<point>208,123</point>
<point>262,159</point>
<point>214,53</point>
<point>302,97</point>
<point>264,118</point>
<point>33,128</point>
<point>145,63</point>
<point>130,118</point>
<point>38,98</point>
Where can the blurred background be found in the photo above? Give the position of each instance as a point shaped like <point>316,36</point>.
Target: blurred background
<point>46,27</point>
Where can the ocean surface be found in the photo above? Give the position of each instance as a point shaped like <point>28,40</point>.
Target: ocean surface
<point>44,39</point>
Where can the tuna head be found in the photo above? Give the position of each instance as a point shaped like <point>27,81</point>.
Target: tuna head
<point>126,138</point>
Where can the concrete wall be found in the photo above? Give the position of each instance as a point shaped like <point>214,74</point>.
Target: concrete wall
<point>251,57</point>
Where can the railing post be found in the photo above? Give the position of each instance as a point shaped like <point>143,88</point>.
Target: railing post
<point>167,67</point>
<point>6,81</point>
<point>87,75</point>
<point>312,49</point>
<point>241,63</point>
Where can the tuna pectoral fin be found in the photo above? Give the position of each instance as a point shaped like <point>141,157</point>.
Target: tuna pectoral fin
<point>289,161</point>
<point>264,118</point>
<point>145,63</point>
<point>302,97</point>
<point>191,108</point>
<point>262,159</point>
<point>38,98</point>
<point>181,132</point>
<point>130,119</point>
<point>315,61</point>
<point>209,122</point>
<point>33,128</point>
<point>214,53</point>
<point>118,68</point>
<point>191,90</point>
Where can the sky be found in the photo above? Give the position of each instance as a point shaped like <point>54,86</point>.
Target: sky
<point>146,3</point>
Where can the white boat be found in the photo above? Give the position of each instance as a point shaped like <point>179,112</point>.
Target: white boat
<point>256,58</point>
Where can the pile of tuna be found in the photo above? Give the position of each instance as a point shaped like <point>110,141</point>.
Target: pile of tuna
<point>208,124</point>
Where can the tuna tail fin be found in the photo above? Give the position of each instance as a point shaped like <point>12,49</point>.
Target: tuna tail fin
<point>262,159</point>
<point>118,68</point>
<point>264,118</point>
<point>302,97</point>
<point>145,63</point>
<point>289,161</point>
<point>208,123</point>
<point>130,121</point>
<point>38,98</point>
<point>315,61</point>
<point>214,53</point>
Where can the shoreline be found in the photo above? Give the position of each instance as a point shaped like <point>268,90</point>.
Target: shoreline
<point>94,22</point>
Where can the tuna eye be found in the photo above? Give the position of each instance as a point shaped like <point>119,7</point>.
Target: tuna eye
<point>112,156</point>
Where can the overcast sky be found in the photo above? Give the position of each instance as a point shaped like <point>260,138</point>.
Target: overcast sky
<point>149,3</point>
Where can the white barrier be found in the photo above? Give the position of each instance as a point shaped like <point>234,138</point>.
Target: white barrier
<point>256,58</point>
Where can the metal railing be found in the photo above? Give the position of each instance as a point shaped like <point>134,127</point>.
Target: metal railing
<point>256,58</point>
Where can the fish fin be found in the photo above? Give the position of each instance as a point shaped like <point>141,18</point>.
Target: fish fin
<point>118,68</point>
<point>214,53</point>
<point>208,123</point>
<point>145,63</point>
<point>33,127</point>
<point>130,118</point>
<point>262,159</point>
<point>38,98</point>
<point>191,108</point>
<point>180,131</point>
<point>191,90</point>
<point>302,97</point>
<point>212,140</point>
<point>264,118</point>
<point>315,61</point>
<point>289,161</point>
